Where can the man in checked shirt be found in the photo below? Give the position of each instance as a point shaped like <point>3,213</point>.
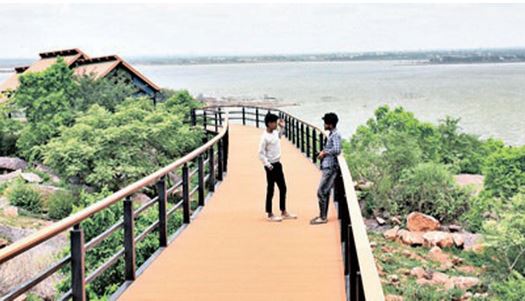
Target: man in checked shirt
<point>329,167</point>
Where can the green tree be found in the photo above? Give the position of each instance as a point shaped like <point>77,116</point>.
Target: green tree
<point>505,171</point>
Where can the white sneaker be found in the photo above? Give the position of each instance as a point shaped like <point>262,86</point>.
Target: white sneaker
<point>274,218</point>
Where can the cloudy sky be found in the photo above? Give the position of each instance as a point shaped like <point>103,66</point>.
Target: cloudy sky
<point>220,29</point>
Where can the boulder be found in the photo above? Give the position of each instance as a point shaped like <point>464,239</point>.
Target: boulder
<point>411,238</point>
<point>11,211</point>
<point>12,163</point>
<point>380,221</point>
<point>393,278</point>
<point>52,175</point>
<point>10,176</point>
<point>454,228</point>
<point>442,279</point>
<point>392,233</point>
<point>436,254</point>
<point>417,221</point>
<point>438,238</point>
<point>396,220</point>
<point>464,282</point>
<point>31,177</point>
<point>467,269</point>
<point>141,198</point>
<point>3,243</point>
<point>419,273</point>
<point>459,240</point>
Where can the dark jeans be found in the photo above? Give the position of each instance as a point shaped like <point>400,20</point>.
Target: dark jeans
<point>275,176</point>
<point>326,185</point>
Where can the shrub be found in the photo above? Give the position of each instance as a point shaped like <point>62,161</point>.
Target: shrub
<point>505,171</point>
<point>505,238</point>
<point>60,204</point>
<point>430,188</point>
<point>512,289</point>
<point>24,196</point>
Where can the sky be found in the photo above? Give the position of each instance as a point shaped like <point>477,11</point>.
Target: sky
<point>133,30</point>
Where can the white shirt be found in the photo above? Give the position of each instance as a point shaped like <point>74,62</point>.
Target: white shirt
<point>270,147</point>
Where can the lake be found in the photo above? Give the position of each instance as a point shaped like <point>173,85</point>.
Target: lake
<point>489,98</point>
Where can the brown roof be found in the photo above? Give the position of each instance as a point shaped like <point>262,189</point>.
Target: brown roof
<point>81,64</point>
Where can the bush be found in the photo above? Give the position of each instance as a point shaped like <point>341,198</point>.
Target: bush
<point>430,188</point>
<point>512,289</point>
<point>24,196</point>
<point>60,204</point>
<point>505,171</point>
<point>505,238</point>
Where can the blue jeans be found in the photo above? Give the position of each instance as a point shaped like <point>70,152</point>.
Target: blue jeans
<point>325,186</point>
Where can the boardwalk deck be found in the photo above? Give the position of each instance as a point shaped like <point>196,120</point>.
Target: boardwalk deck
<point>230,252</point>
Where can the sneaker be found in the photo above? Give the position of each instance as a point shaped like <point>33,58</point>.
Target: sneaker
<point>274,218</point>
<point>318,220</point>
<point>288,215</point>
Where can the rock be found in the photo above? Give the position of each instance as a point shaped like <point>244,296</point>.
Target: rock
<point>466,297</point>
<point>419,273</point>
<point>454,228</point>
<point>10,176</point>
<point>373,244</point>
<point>363,185</point>
<point>46,190</point>
<point>438,238</point>
<point>396,220</point>
<point>411,238</point>
<point>31,177</point>
<point>392,233</point>
<point>464,282</point>
<point>468,269</point>
<point>403,271</point>
<point>3,243</point>
<point>442,279</point>
<point>380,220</point>
<point>417,221</point>
<point>52,175</point>
<point>11,211</point>
<point>393,298</point>
<point>12,163</point>
<point>438,255</point>
<point>393,278</point>
<point>458,239</point>
<point>141,198</point>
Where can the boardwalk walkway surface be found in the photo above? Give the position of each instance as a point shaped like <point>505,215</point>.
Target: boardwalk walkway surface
<point>230,252</point>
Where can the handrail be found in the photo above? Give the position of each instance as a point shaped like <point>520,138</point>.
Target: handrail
<point>52,230</point>
<point>207,179</point>
<point>364,282</point>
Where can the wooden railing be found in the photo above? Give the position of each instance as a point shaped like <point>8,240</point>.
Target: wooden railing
<point>211,162</point>
<point>362,279</point>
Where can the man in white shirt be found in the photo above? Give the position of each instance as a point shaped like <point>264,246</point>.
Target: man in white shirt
<point>270,155</point>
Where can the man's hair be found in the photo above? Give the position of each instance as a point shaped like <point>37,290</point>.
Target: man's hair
<point>331,118</point>
<point>270,118</point>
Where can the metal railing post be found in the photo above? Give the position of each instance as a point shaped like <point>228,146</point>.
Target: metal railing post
<point>204,119</point>
<point>185,194</point>
<point>226,149</point>
<point>193,117</point>
<point>257,117</point>
<point>129,241</point>
<point>302,137</point>
<point>307,141</point>
<point>314,146</point>
<point>163,200</point>
<point>216,123</point>
<point>200,164</point>
<point>78,267</point>
<point>211,169</point>
<point>243,116</point>
<point>220,160</point>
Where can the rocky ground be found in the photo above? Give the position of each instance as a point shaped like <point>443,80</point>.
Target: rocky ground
<point>427,260</point>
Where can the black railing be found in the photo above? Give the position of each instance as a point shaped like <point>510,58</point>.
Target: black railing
<point>361,275</point>
<point>211,163</point>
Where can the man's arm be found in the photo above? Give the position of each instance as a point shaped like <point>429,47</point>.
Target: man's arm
<point>282,127</point>
<point>262,153</point>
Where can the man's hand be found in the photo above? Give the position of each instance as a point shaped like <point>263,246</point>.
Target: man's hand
<point>281,123</point>
<point>270,167</point>
<point>321,155</point>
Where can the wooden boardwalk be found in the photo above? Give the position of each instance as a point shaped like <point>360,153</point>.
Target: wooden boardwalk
<point>230,252</point>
